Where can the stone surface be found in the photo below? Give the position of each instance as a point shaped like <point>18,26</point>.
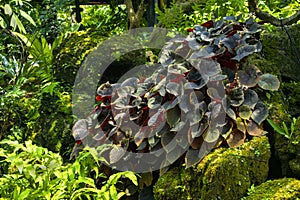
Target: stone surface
<point>286,188</point>
<point>224,174</point>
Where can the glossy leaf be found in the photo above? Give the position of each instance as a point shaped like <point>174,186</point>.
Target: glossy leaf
<point>211,135</point>
<point>250,98</point>
<point>269,82</point>
<point>173,116</point>
<point>80,129</point>
<point>116,154</point>
<point>253,129</point>
<point>236,138</point>
<point>250,76</point>
<point>236,96</point>
<point>245,112</point>
<point>246,50</point>
<point>260,113</point>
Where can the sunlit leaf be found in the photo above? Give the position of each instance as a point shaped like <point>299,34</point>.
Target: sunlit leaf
<point>240,125</point>
<point>245,112</point>
<point>253,129</point>
<point>7,9</point>
<point>27,17</point>
<point>245,50</point>
<point>250,98</point>
<point>269,82</point>
<point>260,113</point>
<point>250,76</point>
<point>236,138</point>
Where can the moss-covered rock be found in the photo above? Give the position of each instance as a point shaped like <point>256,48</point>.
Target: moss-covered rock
<point>286,188</point>
<point>72,52</point>
<point>278,56</point>
<point>222,174</point>
<point>294,149</point>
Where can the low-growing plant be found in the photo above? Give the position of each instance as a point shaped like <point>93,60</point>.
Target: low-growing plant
<point>201,96</point>
<point>284,130</point>
<point>32,172</point>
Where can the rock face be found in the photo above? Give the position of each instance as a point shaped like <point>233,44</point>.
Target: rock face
<point>280,58</point>
<point>294,149</point>
<point>286,188</point>
<point>223,174</point>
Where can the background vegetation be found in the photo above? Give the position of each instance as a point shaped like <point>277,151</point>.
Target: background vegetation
<point>42,47</point>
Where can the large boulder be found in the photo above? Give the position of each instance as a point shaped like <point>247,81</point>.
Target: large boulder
<point>223,174</point>
<point>285,188</point>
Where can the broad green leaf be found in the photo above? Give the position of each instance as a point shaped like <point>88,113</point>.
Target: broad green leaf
<point>245,112</point>
<point>173,116</point>
<point>24,194</point>
<point>7,9</point>
<point>26,16</point>
<point>86,180</point>
<point>131,176</point>
<point>260,113</point>
<point>269,82</point>
<point>15,22</point>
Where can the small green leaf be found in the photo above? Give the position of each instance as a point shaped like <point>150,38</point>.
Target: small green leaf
<point>173,116</point>
<point>276,127</point>
<point>245,112</point>
<point>7,9</point>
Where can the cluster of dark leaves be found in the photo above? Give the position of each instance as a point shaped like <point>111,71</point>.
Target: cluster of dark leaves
<point>200,97</point>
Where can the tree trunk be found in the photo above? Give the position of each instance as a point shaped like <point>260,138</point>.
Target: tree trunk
<point>135,17</point>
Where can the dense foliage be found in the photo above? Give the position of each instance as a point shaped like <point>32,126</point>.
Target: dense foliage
<point>33,172</point>
<point>199,97</point>
<point>36,56</point>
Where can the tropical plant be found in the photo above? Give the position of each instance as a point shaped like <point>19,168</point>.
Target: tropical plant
<point>284,130</point>
<point>10,12</point>
<point>32,172</point>
<point>200,97</point>
<point>107,19</point>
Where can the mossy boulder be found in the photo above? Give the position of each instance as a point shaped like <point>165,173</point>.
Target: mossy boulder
<point>278,56</point>
<point>223,174</point>
<point>72,52</point>
<point>285,188</point>
<point>294,149</point>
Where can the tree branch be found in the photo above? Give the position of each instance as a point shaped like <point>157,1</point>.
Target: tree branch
<point>135,17</point>
<point>252,5</point>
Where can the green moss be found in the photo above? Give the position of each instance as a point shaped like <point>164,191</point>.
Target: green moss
<point>294,148</point>
<point>286,188</point>
<point>72,52</point>
<point>222,174</point>
<point>278,56</point>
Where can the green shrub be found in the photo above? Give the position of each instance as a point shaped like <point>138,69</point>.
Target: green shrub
<point>32,172</point>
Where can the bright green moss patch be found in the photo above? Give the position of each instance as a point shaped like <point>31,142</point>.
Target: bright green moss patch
<point>223,174</point>
<point>286,188</point>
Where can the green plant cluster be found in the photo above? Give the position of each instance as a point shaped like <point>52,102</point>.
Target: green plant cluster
<point>28,171</point>
<point>200,97</point>
<point>177,18</point>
